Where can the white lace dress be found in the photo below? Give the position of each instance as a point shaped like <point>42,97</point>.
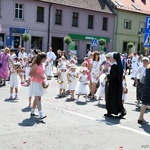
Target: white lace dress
<point>82,86</point>
<point>15,81</point>
<point>101,89</point>
<point>73,79</point>
<point>95,71</point>
<point>63,78</point>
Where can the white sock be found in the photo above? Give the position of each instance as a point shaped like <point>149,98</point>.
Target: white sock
<point>41,114</point>
<point>32,111</point>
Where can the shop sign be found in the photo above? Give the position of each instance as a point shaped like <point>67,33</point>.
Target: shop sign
<point>18,30</point>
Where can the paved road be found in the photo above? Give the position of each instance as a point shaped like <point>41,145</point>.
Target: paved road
<point>69,126</point>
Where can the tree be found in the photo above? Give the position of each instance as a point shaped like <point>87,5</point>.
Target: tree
<point>26,37</point>
<point>67,40</point>
<point>130,45</point>
<point>102,42</point>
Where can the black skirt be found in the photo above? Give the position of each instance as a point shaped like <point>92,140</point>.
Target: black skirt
<point>146,89</point>
<point>139,90</point>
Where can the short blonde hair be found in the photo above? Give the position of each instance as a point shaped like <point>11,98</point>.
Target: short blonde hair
<point>6,50</point>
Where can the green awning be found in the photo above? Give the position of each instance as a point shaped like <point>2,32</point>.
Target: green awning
<point>87,37</point>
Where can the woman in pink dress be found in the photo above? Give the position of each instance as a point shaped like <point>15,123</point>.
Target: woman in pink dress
<point>4,66</point>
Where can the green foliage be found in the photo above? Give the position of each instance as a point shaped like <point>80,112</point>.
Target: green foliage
<point>102,41</point>
<point>67,39</point>
<point>130,45</point>
<point>26,37</point>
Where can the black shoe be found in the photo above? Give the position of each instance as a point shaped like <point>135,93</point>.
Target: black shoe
<point>107,115</point>
<point>89,94</point>
<point>34,115</point>
<point>123,114</point>
<point>43,117</point>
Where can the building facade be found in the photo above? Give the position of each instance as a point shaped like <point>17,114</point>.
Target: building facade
<point>129,24</point>
<point>49,21</point>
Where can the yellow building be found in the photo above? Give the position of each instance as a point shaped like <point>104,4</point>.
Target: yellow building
<point>129,23</point>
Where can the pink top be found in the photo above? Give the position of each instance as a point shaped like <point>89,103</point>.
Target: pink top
<point>89,61</point>
<point>40,70</point>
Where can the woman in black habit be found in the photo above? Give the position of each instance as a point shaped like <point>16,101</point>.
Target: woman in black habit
<point>114,89</point>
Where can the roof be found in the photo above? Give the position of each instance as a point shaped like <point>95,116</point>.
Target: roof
<point>133,5</point>
<point>94,5</point>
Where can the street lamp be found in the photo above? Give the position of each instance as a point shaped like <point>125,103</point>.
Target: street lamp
<point>139,42</point>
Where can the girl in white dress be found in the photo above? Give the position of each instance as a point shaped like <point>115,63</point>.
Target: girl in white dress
<point>101,89</point>
<point>95,72</point>
<point>82,86</point>
<point>124,85</point>
<point>15,81</point>
<point>72,79</point>
<point>64,81</point>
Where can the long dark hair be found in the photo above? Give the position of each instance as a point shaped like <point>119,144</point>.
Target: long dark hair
<point>94,56</point>
<point>38,58</point>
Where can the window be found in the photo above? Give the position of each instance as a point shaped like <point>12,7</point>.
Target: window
<point>125,46</point>
<point>105,23</point>
<point>75,19</point>
<point>1,41</point>
<point>127,24</point>
<point>141,28</point>
<point>36,42</point>
<point>90,21</point>
<point>40,14</point>
<point>18,11</point>
<point>58,16</point>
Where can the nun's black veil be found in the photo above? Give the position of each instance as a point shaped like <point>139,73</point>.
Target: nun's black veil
<point>117,57</point>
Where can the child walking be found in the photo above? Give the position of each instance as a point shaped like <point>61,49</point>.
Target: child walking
<point>124,85</point>
<point>15,81</point>
<point>100,93</point>
<point>63,82</point>
<point>72,79</point>
<point>82,86</point>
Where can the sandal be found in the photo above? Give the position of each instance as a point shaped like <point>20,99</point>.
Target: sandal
<point>142,122</point>
<point>137,105</point>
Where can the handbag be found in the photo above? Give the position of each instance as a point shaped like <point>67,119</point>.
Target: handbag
<point>45,86</point>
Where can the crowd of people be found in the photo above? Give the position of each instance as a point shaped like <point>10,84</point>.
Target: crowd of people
<point>101,76</point>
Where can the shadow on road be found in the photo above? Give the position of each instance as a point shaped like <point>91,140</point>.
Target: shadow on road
<point>30,122</point>
<point>11,100</point>
<point>146,128</point>
<point>129,103</point>
<point>92,100</point>
<point>113,120</point>
<point>101,106</point>
<point>81,103</point>
<point>69,100</point>
<point>26,109</point>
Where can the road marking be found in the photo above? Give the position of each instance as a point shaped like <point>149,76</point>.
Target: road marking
<point>103,121</point>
